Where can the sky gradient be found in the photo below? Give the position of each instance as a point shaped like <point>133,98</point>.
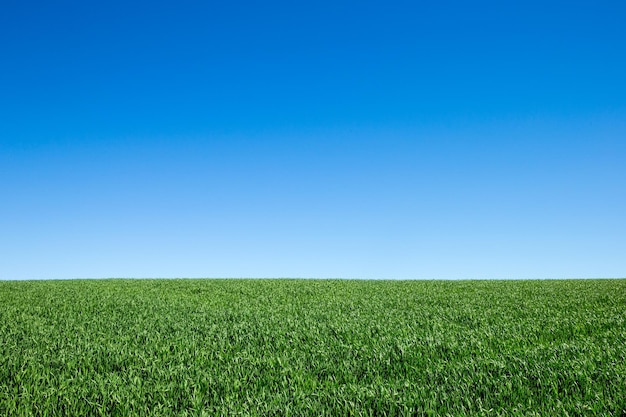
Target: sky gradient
<point>334,139</point>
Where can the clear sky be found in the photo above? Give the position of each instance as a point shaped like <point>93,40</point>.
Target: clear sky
<point>354,139</point>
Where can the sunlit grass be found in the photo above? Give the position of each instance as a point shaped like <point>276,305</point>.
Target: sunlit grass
<point>313,347</point>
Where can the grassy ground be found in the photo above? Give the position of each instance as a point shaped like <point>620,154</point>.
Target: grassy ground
<point>299,347</point>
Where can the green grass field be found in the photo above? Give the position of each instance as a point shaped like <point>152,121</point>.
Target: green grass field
<point>312,347</point>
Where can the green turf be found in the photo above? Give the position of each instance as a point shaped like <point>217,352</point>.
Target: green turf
<point>312,347</point>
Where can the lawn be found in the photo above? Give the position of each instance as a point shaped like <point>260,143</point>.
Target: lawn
<point>312,347</point>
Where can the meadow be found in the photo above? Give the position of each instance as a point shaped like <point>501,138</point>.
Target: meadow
<point>312,347</point>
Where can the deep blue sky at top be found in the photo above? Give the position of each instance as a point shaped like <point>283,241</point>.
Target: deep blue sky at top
<point>321,139</point>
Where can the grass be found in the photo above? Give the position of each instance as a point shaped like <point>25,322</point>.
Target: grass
<point>313,347</point>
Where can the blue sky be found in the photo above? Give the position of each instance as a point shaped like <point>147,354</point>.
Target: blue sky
<point>332,139</point>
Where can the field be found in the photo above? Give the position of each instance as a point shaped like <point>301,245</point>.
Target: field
<point>312,347</point>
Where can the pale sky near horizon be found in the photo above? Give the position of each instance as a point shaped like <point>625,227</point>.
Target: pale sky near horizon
<point>333,139</point>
